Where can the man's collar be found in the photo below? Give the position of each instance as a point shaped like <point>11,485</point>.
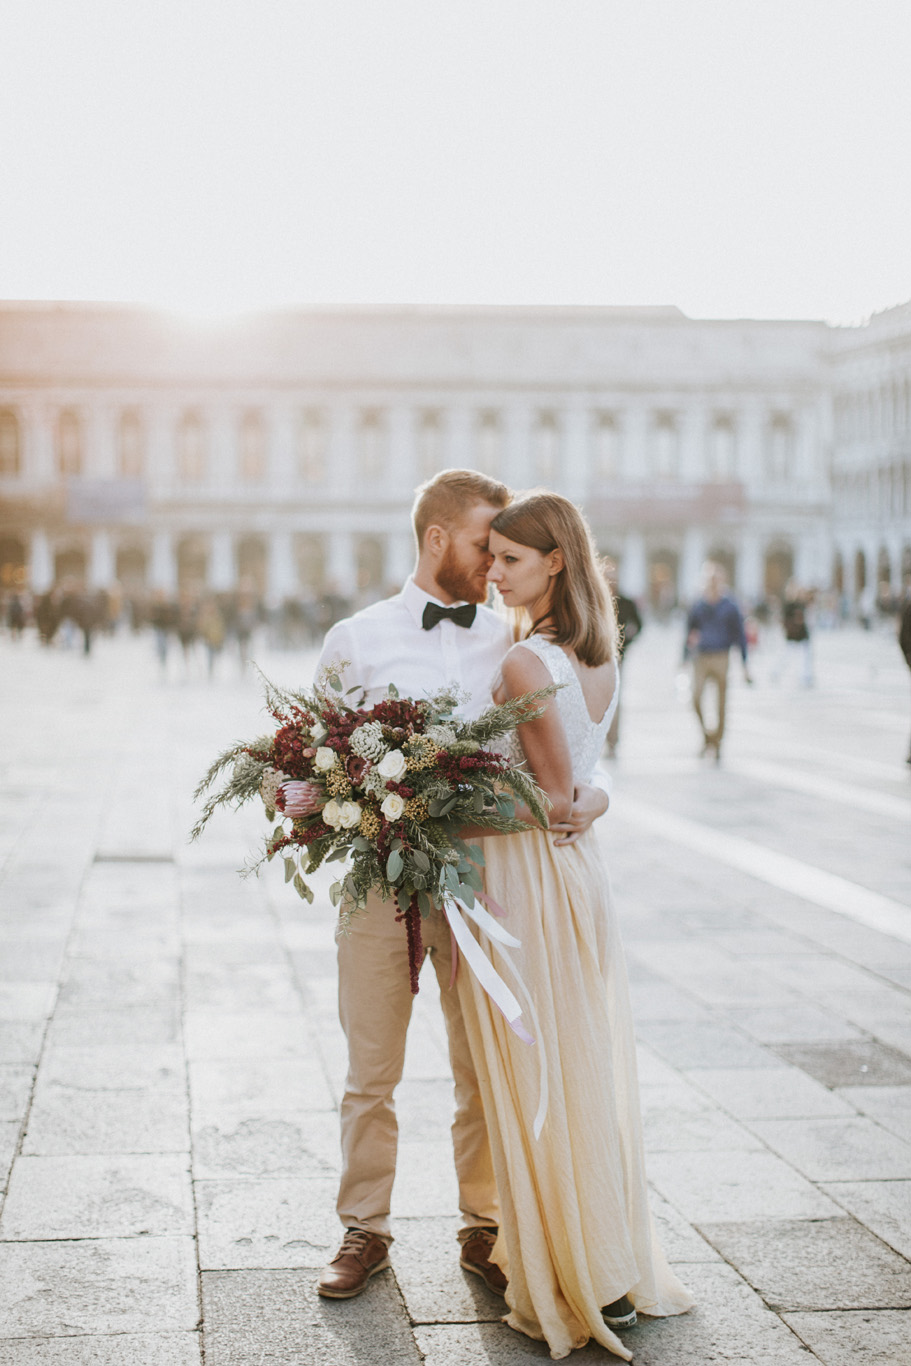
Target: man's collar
<point>415,600</point>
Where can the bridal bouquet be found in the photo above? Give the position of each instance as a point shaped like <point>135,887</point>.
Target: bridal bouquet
<point>395,783</point>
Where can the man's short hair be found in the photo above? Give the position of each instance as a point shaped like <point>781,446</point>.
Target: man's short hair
<point>448,496</point>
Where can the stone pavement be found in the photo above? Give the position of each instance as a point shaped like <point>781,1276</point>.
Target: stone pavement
<point>170,1060</point>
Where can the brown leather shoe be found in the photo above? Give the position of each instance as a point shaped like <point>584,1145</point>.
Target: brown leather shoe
<point>476,1249</point>
<point>360,1256</point>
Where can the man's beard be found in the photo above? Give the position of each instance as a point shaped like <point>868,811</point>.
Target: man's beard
<point>458,582</point>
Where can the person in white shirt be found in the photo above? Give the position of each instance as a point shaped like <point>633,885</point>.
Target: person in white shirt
<point>431,634</point>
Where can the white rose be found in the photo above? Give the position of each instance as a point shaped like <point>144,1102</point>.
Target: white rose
<point>392,765</point>
<point>318,732</point>
<point>332,814</point>
<point>393,806</point>
<point>324,758</point>
<point>350,814</point>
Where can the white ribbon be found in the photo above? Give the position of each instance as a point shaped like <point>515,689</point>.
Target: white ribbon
<point>491,980</point>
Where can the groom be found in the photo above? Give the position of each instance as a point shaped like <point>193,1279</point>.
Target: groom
<point>432,634</point>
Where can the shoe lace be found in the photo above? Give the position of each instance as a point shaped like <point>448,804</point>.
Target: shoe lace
<point>354,1241</point>
<point>487,1236</point>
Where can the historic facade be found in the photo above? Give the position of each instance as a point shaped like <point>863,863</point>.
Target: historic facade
<point>281,451</point>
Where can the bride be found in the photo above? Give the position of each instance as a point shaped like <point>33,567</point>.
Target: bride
<point>576,1238</point>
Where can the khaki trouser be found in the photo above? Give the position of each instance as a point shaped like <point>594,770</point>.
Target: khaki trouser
<point>375,1007</point>
<point>712,664</point>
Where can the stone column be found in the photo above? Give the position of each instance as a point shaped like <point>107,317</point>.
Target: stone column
<point>101,442</point>
<point>459,432</point>
<point>634,459</point>
<point>400,557</point>
<point>342,475</point>
<point>693,437</point>
<point>691,561</point>
<point>223,563</point>
<point>163,568</point>
<point>403,461</point>
<point>280,433</point>
<point>281,568</point>
<point>222,473</point>
<point>750,569</point>
<point>40,563</point>
<point>576,451</point>
<point>633,570</point>
<point>341,562</point>
<point>516,445</point>
<point>750,429</point>
<point>101,569</point>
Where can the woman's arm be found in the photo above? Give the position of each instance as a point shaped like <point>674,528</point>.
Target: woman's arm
<point>543,740</point>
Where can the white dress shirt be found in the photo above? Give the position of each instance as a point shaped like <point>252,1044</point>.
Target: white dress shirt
<point>386,643</point>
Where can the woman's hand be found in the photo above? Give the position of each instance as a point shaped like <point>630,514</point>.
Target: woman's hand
<point>301,799</point>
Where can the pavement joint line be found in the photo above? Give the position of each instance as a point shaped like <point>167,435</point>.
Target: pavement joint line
<point>828,890</point>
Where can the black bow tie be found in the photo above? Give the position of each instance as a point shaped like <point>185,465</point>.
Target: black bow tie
<point>462,616</point>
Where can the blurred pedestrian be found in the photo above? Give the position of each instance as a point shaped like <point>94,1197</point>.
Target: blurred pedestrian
<point>713,625</point>
<point>15,616</point>
<point>795,623</point>
<point>629,622</point>
<point>186,627</point>
<point>211,626</point>
<point>904,640</point>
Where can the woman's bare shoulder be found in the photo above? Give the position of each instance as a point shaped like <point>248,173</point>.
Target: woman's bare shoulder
<point>523,670</point>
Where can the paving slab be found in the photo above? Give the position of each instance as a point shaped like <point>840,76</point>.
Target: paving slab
<point>27,1000</point>
<point>275,1318</point>
<point>815,1264</point>
<point>435,1289</point>
<point>800,1023</point>
<point>115,1067</point>
<point>696,1043</point>
<point>145,1026</point>
<point>97,1197</point>
<point>120,1349</point>
<point>245,1034</point>
<point>846,1338</point>
<point>890,1106</point>
<point>425,1180</point>
<point>246,986</point>
<point>884,1207</point>
<point>837,1149</point>
<point>16,1082</point>
<point>776,1092</point>
<point>64,1119</point>
<point>728,1324</point>
<point>674,1128</point>
<point>153,983</point>
<point>301,1145</point>
<point>112,1285</point>
<point>736,1185</point>
<point>249,1088</point>
<point>859,1062</point>
<point>277,1223</point>
<point>9,1139</point>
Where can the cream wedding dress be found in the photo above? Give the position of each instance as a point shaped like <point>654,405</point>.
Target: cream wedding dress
<point>576,1232</point>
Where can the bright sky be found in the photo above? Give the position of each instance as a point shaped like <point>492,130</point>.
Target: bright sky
<point>733,157</point>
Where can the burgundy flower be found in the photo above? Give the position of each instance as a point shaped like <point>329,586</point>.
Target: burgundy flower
<point>356,767</point>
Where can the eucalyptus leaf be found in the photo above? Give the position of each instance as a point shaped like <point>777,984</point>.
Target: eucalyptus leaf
<point>337,854</point>
<point>394,865</point>
<point>421,860</point>
<point>476,854</point>
<point>290,869</point>
<point>424,904</point>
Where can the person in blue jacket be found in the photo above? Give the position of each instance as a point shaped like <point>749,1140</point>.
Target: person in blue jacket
<point>713,625</point>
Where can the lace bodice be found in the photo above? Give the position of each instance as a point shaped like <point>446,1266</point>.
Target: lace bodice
<point>585,736</point>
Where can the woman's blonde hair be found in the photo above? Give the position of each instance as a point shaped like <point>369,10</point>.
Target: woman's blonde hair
<point>582,609</point>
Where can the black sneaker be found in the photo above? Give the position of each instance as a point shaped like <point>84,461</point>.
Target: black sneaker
<point>620,1314</point>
